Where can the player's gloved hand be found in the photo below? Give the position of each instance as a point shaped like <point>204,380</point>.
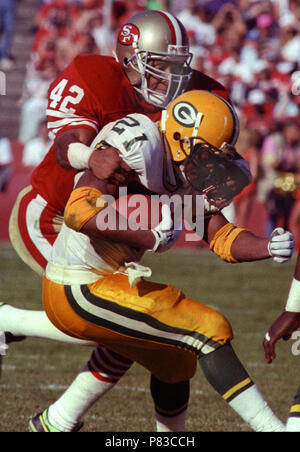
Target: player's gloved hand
<point>106,164</point>
<point>282,328</point>
<point>281,245</point>
<point>165,235</point>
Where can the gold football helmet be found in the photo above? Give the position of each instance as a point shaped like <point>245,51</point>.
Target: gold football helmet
<point>198,116</point>
<point>199,132</point>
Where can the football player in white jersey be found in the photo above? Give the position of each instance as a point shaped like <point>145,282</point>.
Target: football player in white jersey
<point>95,291</point>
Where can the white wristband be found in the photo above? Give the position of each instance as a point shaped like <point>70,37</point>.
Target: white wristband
<point>293,301</point>
<point>78,155</point>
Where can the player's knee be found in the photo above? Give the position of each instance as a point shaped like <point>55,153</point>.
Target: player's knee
<point>170,399</point>
<point>220,328</point>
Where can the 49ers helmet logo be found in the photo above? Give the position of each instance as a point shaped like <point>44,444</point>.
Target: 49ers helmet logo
<point>185,113</point>
<point>127,34</point>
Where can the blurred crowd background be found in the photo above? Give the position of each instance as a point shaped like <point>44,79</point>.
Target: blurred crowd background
<point>252,47</point>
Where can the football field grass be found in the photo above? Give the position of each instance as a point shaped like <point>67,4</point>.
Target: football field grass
<point>35,372</point>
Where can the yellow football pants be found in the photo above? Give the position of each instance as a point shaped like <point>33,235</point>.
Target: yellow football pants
<point>152,324</point>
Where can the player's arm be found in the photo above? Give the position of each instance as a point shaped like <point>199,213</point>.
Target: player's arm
<point>235,244</point>
<point>73,121</point>
<point>62,142</point>
<point>73,151</point>
<point>289,319</point>
<point>121,232</point>
<point>88,211</point>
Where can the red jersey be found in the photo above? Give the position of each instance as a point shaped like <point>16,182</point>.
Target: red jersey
<point>91,92</point>
<point>202,81</point>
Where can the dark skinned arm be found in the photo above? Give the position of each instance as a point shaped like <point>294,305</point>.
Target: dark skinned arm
<point>283,326</point>
<point>246,247</point>
<point>123,233</point>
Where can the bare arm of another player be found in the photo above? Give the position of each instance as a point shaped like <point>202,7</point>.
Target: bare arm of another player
<point>105,164</point>
<point>289,319</point>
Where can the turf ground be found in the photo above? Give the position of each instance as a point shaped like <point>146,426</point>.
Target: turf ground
<point>36,372</point>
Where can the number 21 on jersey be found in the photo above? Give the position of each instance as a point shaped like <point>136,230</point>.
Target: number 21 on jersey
<point>57,94</point>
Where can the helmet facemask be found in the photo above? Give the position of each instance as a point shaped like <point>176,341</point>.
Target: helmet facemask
<point>176,79</point>
<point>206,167</point>
<point>214,172</point>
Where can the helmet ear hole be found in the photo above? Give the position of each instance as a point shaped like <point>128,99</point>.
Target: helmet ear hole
<point>176,136</point>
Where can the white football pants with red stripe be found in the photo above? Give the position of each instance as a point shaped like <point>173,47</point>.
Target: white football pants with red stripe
<point>33,228</point>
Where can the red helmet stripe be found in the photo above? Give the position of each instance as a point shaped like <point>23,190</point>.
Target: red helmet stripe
<point>185,40</point>
<point>176,28</point>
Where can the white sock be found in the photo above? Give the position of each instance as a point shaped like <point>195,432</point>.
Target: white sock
<point>293,421</point>
<point>100,374</point>
<point>170,424</point>
<point>25,322</point>
<point>293,424</point>
<point>59,419</point>
<point>85,390</point>
<point>252,407</point>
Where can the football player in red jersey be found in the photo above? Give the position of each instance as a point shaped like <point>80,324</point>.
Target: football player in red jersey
<point>152,66</point>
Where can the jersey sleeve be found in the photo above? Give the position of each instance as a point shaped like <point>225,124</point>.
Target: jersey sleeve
<point>201,81</point>
<point>70,102</point>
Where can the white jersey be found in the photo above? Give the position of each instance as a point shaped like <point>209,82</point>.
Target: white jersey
<point>139,141</point>
<point>73,259</point>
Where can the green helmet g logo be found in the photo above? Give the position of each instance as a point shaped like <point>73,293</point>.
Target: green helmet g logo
<point>185,113</point>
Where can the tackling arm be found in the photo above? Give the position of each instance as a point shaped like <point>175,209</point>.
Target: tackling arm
<point>82,136</point>
<point>73,151</point>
